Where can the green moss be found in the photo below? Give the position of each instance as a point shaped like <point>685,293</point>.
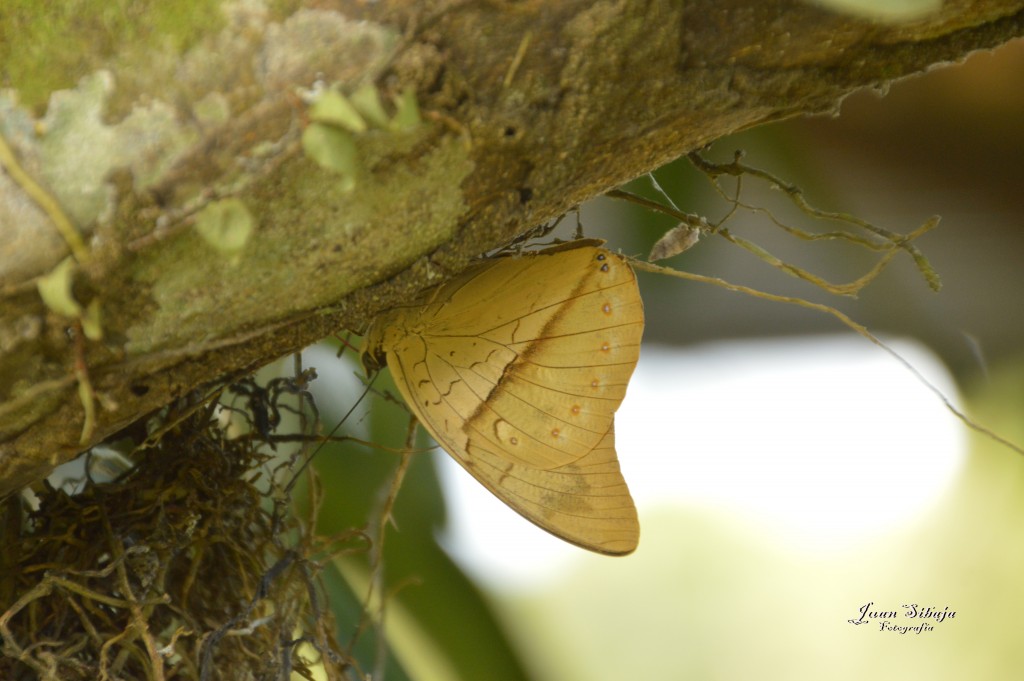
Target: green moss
<point>342,239</point>
<point>47,46</point>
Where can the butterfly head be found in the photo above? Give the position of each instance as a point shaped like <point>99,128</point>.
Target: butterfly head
<point>373,355</point>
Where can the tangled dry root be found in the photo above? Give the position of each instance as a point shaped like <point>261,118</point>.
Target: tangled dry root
<point>191,566</point>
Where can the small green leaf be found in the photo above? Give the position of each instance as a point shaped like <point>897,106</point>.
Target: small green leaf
<point>883,11</point>
<point>333,149</point>
<point>332,108</point>
<point>407,115</point>
<point>366,99</point>
<point>55,289</point>
<point>226,225</point>
<point>91,325</point>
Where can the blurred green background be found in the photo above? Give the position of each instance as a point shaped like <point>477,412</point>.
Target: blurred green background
<point>715,591</point>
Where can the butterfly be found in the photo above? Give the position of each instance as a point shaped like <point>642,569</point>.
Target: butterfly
<point>516,368</point>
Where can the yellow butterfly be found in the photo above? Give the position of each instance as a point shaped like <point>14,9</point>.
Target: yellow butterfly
<point>516,368</point>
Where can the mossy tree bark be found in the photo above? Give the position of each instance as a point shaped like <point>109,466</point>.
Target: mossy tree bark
<point>136,126</point>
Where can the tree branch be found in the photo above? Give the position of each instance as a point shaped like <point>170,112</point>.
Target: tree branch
<point>528,109</point>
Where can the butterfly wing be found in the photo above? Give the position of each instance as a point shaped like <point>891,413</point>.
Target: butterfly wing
<point>516,368</point>
<point>585,502</point>
<point>540,350</point>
